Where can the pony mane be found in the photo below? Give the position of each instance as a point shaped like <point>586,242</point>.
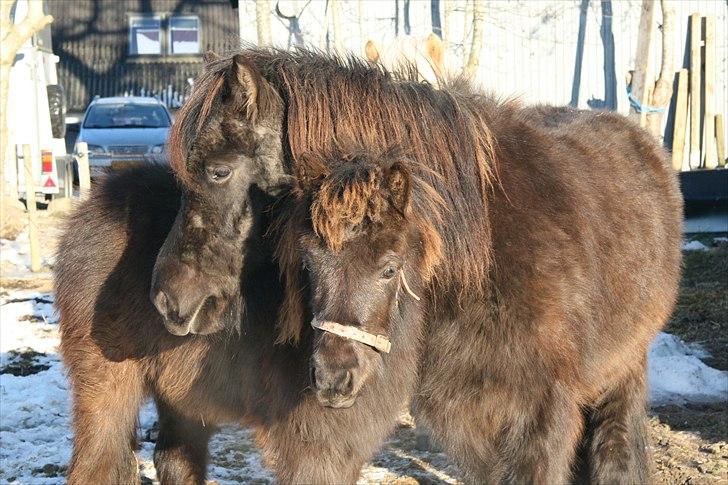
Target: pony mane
<point>195,114</point>
<point>332,104</point>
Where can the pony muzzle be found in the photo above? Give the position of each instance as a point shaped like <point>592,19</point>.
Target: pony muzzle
<point>180,321</point>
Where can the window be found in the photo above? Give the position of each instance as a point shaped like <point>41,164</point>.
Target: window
<point>164,34</point>
<point>144,35</point>
<point>126,115</point>
<point>184,35</point>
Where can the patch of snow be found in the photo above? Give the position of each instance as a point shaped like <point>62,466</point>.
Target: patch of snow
<point>720,240</point>
<point>677,375</point>
<point>35,425</point>
<point>17,252</point>
<point>694,246</point>
<point>36,432</point>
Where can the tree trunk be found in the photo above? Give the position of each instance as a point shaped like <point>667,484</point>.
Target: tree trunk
<point>262,21</point>
<point>662,93</point>
<point>335,6</point>
<point>362,23</point>
<point>468,25</point>
<point>12,38</point>
<point>435,16</point>
<point>406,17</point>
<point>471,68</point>
<point>641,82</point>
<point>576,81</point>
<point>5,153</point>
<point>610,76</point>
<point>447,30</point>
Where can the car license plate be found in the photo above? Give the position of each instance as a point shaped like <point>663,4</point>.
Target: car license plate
<point>122,164</point>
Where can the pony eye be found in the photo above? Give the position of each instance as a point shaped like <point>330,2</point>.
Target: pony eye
<point>389,273</point>
<point>219,173</point>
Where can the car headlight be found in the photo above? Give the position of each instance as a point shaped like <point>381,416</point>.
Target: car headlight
<point>157,149</point>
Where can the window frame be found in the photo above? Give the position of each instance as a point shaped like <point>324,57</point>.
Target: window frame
<point>141,16</point>
<point>169,34</point>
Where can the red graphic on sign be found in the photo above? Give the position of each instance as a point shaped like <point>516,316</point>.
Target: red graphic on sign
<point>49,183</point>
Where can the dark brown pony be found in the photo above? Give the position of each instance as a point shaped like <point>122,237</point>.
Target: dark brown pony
<point>118,351</point>
<point>533,371</point>
<point>206,354</point>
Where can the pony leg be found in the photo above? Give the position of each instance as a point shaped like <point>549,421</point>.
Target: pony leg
<point>532,442</point>
<point>106,402</point>
<point>295,460</point>
<point>180,455</point>
<point>541,448</point>
<point>617,434</point>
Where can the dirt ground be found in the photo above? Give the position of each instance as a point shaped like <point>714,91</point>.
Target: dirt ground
<point>690,443</point>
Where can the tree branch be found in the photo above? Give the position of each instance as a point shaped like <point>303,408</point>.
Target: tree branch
<point>16,36</point>
<point>663,86</point>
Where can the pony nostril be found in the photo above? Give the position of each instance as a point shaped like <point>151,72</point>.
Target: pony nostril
<point>161,302</point>
<point>348,384</point>
<point>313,377</point>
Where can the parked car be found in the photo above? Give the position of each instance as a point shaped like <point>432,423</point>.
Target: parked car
<point>124,131</point>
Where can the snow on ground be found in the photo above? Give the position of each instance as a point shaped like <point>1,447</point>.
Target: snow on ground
<point>35,425</point>
<point>677,375</point>
<point>694,246</point>
<point>17,252</point>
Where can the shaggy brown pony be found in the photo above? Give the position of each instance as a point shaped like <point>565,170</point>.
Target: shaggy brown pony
<point>547,354</point>
<point>538,297</point>
<point>118,352</point>
<point>206,353</point>
<point>542,286</point>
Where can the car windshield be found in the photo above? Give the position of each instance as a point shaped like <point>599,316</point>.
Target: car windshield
<point>126,115</point>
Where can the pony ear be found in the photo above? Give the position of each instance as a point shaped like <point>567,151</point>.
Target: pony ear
<point>371,51</point>
<point>398,183</point>
<point>253,94</point>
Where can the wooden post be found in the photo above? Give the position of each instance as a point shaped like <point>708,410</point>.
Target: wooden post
<point>710,157</point>
<point>84,172</point>
<point>643,60</point>
<point>30,203</point>
<point>720,139</point>
<point>695,67</point>
<point>681,118</point>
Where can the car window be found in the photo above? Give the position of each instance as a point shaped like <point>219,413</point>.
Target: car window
<point>126,115</point>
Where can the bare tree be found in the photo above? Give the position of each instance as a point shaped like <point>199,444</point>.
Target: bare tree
<point>362,21</point>
<point>262,21</point>
<point>471,67</point>
<point>447,9</point>
<point>12,38</point>
<point>435,16</point>
<point>335,6</point>
<point>294,24</point>
<point>467,28</point>
<point>662,92</point>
